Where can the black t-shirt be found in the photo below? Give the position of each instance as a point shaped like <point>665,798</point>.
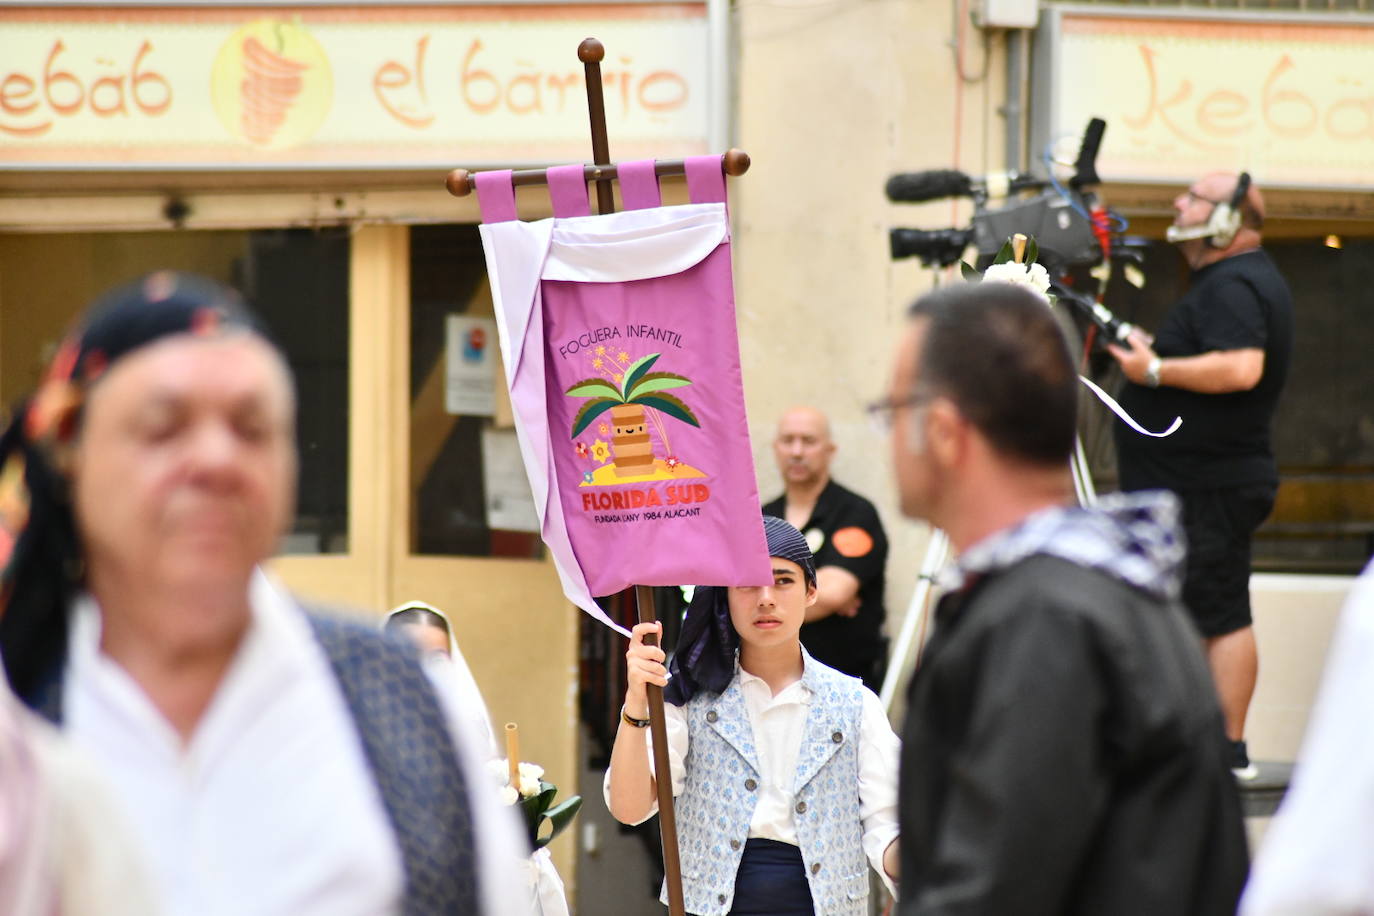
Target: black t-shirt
<point>1237,303</point>
<point>851,537</point>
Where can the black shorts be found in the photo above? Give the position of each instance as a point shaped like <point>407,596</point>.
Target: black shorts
<point>1219,525</point>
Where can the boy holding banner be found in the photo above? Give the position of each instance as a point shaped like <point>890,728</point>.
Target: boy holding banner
<point>784,770</point>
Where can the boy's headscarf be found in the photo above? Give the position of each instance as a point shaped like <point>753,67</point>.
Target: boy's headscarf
<point>705,656</point>
<point>40,551</point>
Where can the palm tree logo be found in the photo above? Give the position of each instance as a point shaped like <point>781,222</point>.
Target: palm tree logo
<point>633,404</point>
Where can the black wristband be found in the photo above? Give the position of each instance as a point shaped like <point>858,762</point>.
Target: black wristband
<point>631,720</point>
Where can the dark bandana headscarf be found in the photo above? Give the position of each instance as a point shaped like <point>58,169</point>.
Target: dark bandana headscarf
<point>40,553</point>
<point>705,656</point>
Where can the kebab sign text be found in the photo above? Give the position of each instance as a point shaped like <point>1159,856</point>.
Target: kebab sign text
<point>382,85</point>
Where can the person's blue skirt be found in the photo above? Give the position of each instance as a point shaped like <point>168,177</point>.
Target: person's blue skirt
<point>771,881</point>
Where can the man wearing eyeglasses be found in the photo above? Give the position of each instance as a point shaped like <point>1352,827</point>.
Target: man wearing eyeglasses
<point>1062,752</point>
<point>1219,361</point>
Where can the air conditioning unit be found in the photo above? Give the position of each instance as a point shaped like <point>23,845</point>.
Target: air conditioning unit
<point>1007,14</point>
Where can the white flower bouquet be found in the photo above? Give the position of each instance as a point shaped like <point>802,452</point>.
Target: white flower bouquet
<point>523,784</point>
<point>1015,263</point>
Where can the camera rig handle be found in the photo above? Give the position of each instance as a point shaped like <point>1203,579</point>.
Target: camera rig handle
<point>1085,169</point>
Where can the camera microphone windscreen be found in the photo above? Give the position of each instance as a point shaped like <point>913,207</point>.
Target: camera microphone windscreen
<point>916,187</point>
<point>1085,169</point>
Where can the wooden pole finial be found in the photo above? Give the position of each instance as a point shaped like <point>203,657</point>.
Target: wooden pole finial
<point>591,51</point>
<point>736,162</point>
<point>459,182</point>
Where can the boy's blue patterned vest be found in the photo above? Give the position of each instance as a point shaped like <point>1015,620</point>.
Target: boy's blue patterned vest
<point>721,792</point>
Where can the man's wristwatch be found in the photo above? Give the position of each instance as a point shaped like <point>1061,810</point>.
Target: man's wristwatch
<point>1152,371</point>
<point>631,720</point>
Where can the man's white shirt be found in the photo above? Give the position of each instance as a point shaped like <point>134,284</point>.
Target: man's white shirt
<point>270,807</point>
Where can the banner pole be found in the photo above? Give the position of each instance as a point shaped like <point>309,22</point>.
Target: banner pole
<point>591,52</point>
<point>733,162</point>
<point>658,732</point>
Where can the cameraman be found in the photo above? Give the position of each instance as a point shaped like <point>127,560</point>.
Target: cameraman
<point>1219,361</point>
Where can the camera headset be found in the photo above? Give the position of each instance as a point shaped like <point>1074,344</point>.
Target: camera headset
<point>1223,223</point>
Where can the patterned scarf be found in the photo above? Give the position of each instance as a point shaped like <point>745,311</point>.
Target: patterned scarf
<point>705,656</point>
<point>40,552</point>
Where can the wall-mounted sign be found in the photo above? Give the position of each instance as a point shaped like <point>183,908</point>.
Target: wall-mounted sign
<point>335,86</point>
<point>505,488</point>
<point>470,366</point>
<point>1290,101</point>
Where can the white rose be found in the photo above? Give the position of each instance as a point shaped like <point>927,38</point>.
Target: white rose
<point>531,771</point>
<point>529,787</point>
<point>1033,277</point>
<point>509,795</point>
<point>1006,272</point>
<point>498,770</point>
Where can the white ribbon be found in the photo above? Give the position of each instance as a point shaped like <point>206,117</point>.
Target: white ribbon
<point>1125,417</point>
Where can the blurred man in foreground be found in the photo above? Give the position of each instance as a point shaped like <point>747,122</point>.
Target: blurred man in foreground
<point>270,761</point>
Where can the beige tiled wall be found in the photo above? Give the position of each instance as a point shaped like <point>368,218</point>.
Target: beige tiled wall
<point>1294,620</point>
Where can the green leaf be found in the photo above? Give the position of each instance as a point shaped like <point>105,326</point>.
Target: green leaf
<point>1032,250</point>
<point>637,370</point>
<point>590,411</point>
<point>670,405</point>
<point>547,793</point>
<point>593,388</point>
<point>970,272</point>
<point>560,816</point>
<point>1005,253</point>
<point>656,381</point>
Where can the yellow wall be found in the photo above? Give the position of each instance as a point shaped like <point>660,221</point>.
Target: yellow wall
<point>832,99</point>
<point>45,280</point>
<point>1295,617</point>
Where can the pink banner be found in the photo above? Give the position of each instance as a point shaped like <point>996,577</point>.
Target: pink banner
<point>621,350</point>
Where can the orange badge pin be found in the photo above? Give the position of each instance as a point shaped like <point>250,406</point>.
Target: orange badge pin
<point>852,542</point>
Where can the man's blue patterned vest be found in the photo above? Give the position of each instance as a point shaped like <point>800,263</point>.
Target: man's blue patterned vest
<point>721,792</point>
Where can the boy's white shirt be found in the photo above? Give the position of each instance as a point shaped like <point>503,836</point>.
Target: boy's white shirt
<point>779,723</point>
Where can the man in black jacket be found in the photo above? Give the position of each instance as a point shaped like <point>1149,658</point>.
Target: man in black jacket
<point>1063,750</point>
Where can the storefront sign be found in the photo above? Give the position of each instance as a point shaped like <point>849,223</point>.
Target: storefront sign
<point>334,86</point>
<point>1289,101</point>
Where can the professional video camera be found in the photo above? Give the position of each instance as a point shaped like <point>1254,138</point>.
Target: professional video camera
<point>1072,229</point>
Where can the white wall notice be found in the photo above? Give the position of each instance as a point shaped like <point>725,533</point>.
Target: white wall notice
<point>510,504</point>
